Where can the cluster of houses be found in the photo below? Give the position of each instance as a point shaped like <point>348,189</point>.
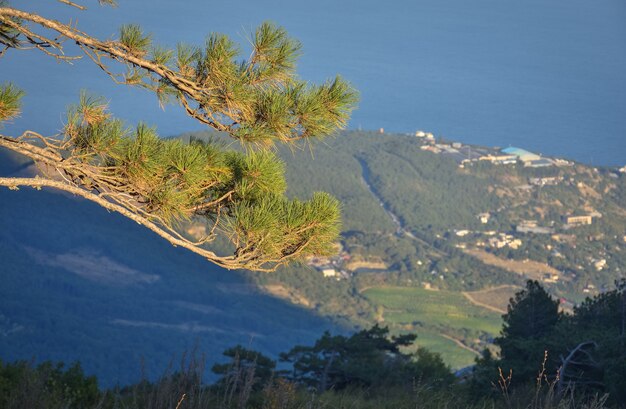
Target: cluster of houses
<point>342,265</point>
<point>330,267</point>
<point>495,239</point>
<point>464,154</point>
<point>504,240</point>
<point>545,181</point>
<point>500,240</point>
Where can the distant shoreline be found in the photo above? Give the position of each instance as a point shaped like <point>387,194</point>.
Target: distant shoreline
<point>472,144</point>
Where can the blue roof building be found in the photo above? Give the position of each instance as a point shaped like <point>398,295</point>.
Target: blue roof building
<point>522,154</point>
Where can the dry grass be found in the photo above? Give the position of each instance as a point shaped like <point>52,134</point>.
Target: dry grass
<point>287,293</point>
<point>183,389</point>
<point>529,268</point>
<point>495,299</point>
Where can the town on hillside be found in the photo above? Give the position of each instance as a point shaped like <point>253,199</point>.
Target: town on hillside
<point>492,242</point>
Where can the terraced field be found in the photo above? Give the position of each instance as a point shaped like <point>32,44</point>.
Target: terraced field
<point>444,321</point>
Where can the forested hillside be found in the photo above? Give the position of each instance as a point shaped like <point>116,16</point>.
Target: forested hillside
<point>411,218</point>
<point>414,255</point>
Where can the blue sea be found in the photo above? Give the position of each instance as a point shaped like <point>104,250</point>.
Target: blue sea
<point>547,76</point>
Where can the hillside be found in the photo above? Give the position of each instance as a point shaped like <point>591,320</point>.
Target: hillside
<point>415,255</point>
<point>79,283</point>
<point>412,212</point>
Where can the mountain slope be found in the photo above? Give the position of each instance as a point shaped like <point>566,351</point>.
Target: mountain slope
<point>79,283</point>
<point>413,206</point>
<point>410,220</point>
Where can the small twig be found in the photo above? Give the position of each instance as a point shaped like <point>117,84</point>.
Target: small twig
<point>180,402</point>
<point>69,3</point>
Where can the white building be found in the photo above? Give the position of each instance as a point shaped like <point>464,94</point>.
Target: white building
<point>329,272</point>
<point>599,264</point>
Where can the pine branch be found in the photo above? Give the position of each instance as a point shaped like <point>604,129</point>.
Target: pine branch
<point>258,101</point>
<point>160,183</point>
<point>38,183</point>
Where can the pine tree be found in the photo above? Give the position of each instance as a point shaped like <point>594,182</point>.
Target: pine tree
<point>598,331</point>
<point>369,358</point>
<point>246,369</point>
<point>160,183</point>
<point>525,338</point>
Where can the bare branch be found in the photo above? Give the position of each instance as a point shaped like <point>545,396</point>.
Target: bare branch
<point>69,3</point>
<point>38,183</point>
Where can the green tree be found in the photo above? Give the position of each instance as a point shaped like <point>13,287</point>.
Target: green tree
<point>366,359</point>
<point>49,385</point>
<point>484,376</point>
<point>528,324</point>
<point>245,368</point>
<point>600,320</point>
<point>159,183</point>
<point>428,368</point>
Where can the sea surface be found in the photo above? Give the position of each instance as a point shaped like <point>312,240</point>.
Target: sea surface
<point>547,76</point>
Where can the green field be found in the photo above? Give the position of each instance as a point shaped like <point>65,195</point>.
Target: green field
<point>433,314</point>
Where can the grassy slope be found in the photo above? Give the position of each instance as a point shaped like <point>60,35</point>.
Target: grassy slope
<point>432,313</point>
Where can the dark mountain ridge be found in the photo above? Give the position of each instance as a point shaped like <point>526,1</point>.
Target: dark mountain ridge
<point>80,283</point>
